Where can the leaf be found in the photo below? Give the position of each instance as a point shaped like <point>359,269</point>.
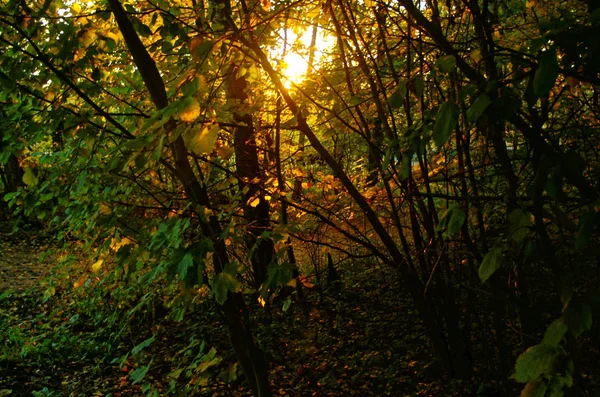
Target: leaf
<point>587,224</point>
<point>188,109</point>
<point>406,165</point>
<point>142,345</point>
<point>203,142</point>
<point>453,219</point>
<point>534,362</point>
<point>535,388</point>
<point>200,48</point>
<point>355,100</point>
<point>419,86</point>
<point>138,374</point>
<point>555,332</point>
<point>230,374</point>
<point>224,152</point>
<point>478,107</point>
<point>491,262</point>
<point>446,63</point>
<point>456,221</point>
<point>97,265</point>
<point>475,55</point>
<point>578,316</point>
<point>446,120</point>
<point>518,224</point>
<point>286,304</point>
<point>158,151</point>
<point>546,73</point>
<point>222,284</point>
<point>467,91</point>
<point>29,177</point>
<point>191,88</point>
<point>6,82</point>
<point>255,201</point>
<point>396,100</point>
<point>186,262</point>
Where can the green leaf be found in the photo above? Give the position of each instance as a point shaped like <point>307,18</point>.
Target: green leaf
<point>467,91</point>
<point>142,345</point>
<point>578,316</point>
<point>546,73</point>
<point>277,274</point>
<point>446,63</point>
<point>138,374</point>
<point>518,224</point>
<point>286,304</point>
<point>406,165</point>
<point>29,177</point>
<point>142,30</point>
<point>158,151</point>
<point>396,100</point>
<point>230,374</point>
<point>478,107</point>
<point>355,100</point>
<point>191,88</point>
<point>556,385</point>
<point>491,262</point>
<point>446,120</point>
<point>555,332</point>
<point>186,262</point>
<point>456,220</point>
<point>535,388</point>
<point>202,50</point>
<point>188,109</point>
<point>453,219</point>
<point>587,224</point>
<point>6,82</point>
<point>534,362</point>
<point>390,153</point>
<point>419,86</point>
<point>222,284</point>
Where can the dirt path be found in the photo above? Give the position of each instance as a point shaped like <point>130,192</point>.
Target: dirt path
<point>20,252</point>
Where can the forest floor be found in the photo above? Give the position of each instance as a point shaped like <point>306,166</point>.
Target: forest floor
<point>86,338</point>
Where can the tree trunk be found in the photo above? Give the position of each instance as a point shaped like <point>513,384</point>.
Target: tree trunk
<point>13,174</point>
<point>234,309</point>
<point>256,207</point>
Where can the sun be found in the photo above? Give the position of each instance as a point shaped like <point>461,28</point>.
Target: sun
<point>294,65</point>
<point>295,68</point>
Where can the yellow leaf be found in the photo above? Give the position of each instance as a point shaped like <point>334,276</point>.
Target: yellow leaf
<point>76,8</point>
<point>189,110</point>
<point>105,209</point>
<point>98,265</point>
<point>203,142</point>
<point>475,55</point>
<point>87,38</point>
<point>241,72</point>
<point>314,13</point>
<point>255,202</point>
<point>225,152</point>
